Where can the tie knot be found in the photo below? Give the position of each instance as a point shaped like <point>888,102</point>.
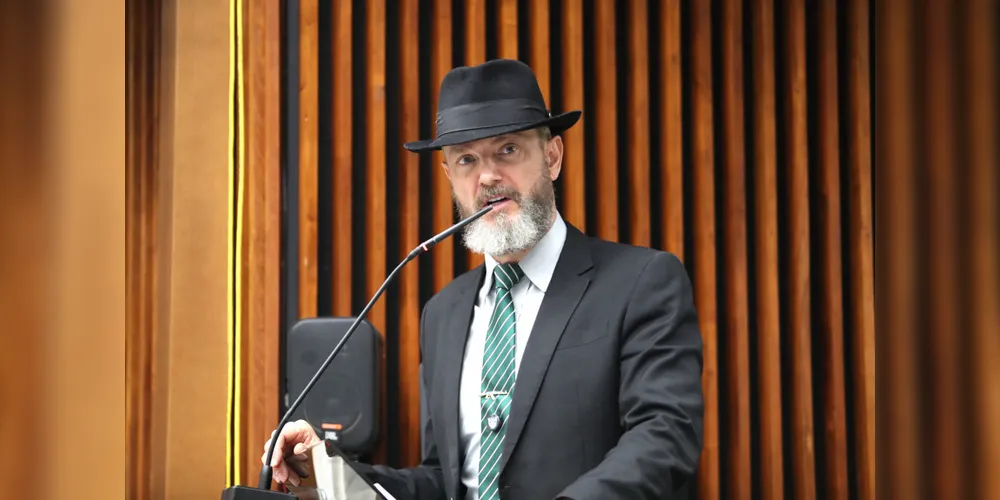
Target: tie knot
<point>507,275</point>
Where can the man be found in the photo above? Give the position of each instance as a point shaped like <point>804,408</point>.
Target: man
<point>564,366</point>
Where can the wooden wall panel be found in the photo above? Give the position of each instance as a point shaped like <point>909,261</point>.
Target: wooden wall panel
<point>981,77</point>
<point>308,165</point>
<point>767,294</point>
<point>441,63</point>
<point>343,164</point>
<point>638,123</point>
<point>832,437</point>
<point>261,259</point>
<point>702,206</point>
<point>734,250</point>
<point>671,125</point>
<point>409,178</point>
<point>734,134</point>
<point>605,111</point>
<point>860,234</point>
<point>574,198</point>
<point>796,179</point>
<point>143,38</point>
<point>946,454</point>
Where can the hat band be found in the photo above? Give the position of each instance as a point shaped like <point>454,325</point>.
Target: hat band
<point>489,114</point>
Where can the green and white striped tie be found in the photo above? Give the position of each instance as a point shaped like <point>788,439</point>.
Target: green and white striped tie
<point>498,378</point>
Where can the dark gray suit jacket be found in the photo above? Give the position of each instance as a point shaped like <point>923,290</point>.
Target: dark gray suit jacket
<point>608,397</point>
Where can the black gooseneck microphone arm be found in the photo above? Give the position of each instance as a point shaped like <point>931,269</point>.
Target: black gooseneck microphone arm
<point>265,472</point>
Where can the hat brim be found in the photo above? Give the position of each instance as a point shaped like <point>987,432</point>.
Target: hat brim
<point>557,124</point>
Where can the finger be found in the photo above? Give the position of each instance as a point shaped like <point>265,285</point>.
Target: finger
<point>277,454</point>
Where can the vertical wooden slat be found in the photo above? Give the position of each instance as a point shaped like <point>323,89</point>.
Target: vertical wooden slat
<point>574,194</point>
<point>606,114</point>
<point>540,50</point>
<point>343,165</point>
<point>896,185</point>
<point>308,155</point>
<point>143,32</point>
<point>475,53</point>
<point>766,262</point>
<point>638,66</point>
<point>261,349</point>
<point>671,128</point>
<point>981,85</point>
<point>703,205</point>
<point>945,448</point>
<point>375,175</point>
<point>831,319</point>
<point>862,292</point>
<point>440,65</point>
<point>799,327</point>
<point>409,293</point>
<point>734,206</point>
<point>507,29</point>
<point>475,32</point>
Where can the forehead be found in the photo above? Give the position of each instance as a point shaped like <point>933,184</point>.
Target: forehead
<point>492,142</point>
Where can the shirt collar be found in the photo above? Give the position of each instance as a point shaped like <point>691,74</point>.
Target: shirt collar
<point>540,262</point>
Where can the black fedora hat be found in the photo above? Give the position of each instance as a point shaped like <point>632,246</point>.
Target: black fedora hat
<point>494,98</point>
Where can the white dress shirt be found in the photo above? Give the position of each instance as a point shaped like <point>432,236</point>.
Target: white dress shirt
<point>538,265</point>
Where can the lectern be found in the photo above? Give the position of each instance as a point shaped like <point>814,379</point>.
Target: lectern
<point>336,479</point>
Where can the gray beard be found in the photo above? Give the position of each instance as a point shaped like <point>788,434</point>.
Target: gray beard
<point>509,234</point>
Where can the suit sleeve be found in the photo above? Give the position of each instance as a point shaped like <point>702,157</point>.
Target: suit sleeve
<point>660,398</point>
<point>424,482</point>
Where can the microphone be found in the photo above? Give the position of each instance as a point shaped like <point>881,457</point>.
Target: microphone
<point>264,482</point>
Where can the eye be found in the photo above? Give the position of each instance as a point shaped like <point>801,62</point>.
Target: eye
<point>465,159</point>
<point>508,149</point>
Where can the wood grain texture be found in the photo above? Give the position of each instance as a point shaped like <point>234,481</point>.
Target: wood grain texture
<point>308,156</point>
<point>946,451</point>
<point>772,232</point>
<point>143,37</point>
<point>539,59</point>
<point>703,220</point>
<point>475,53</point>
<point>262,235</point>
<point>830,276</point>
<point>861,258</point>
<point>409,179</point>
<point>769,371</point>
<point>506,19</point>
<point>672,128</point>
<point>796,174</point>
<point>443,214</point>
<point>343,163</point>
<point>574,159</point>
<point>897,277</point>
<point>638,124</point>
<point>736,328</point>
<point>475,32</point>
<point>606,114</point>
<point>375,180</point>
<point>980,83</point>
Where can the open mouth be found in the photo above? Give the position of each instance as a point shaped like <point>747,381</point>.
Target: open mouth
<point>498,200</point>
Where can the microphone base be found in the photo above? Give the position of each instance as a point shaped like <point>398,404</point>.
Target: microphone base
<point>248,493</point>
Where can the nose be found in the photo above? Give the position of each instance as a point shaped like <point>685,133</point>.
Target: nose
<point>489,175</point>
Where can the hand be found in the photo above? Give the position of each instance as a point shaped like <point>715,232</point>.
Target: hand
<point>290,450</point>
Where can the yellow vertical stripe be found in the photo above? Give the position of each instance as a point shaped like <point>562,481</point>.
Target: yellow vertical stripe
<point>229,256</point>
<point>241,169</point>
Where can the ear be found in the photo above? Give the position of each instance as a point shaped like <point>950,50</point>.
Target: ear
<point>444,166</point>
<point>554,153</point>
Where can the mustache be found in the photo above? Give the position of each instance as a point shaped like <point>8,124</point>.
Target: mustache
<point>490,193</point>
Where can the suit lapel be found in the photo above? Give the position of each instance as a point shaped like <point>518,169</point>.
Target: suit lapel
<point>569,282</point>
<point>449,365</point>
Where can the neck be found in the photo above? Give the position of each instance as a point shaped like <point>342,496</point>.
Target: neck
<point>517,256</point>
